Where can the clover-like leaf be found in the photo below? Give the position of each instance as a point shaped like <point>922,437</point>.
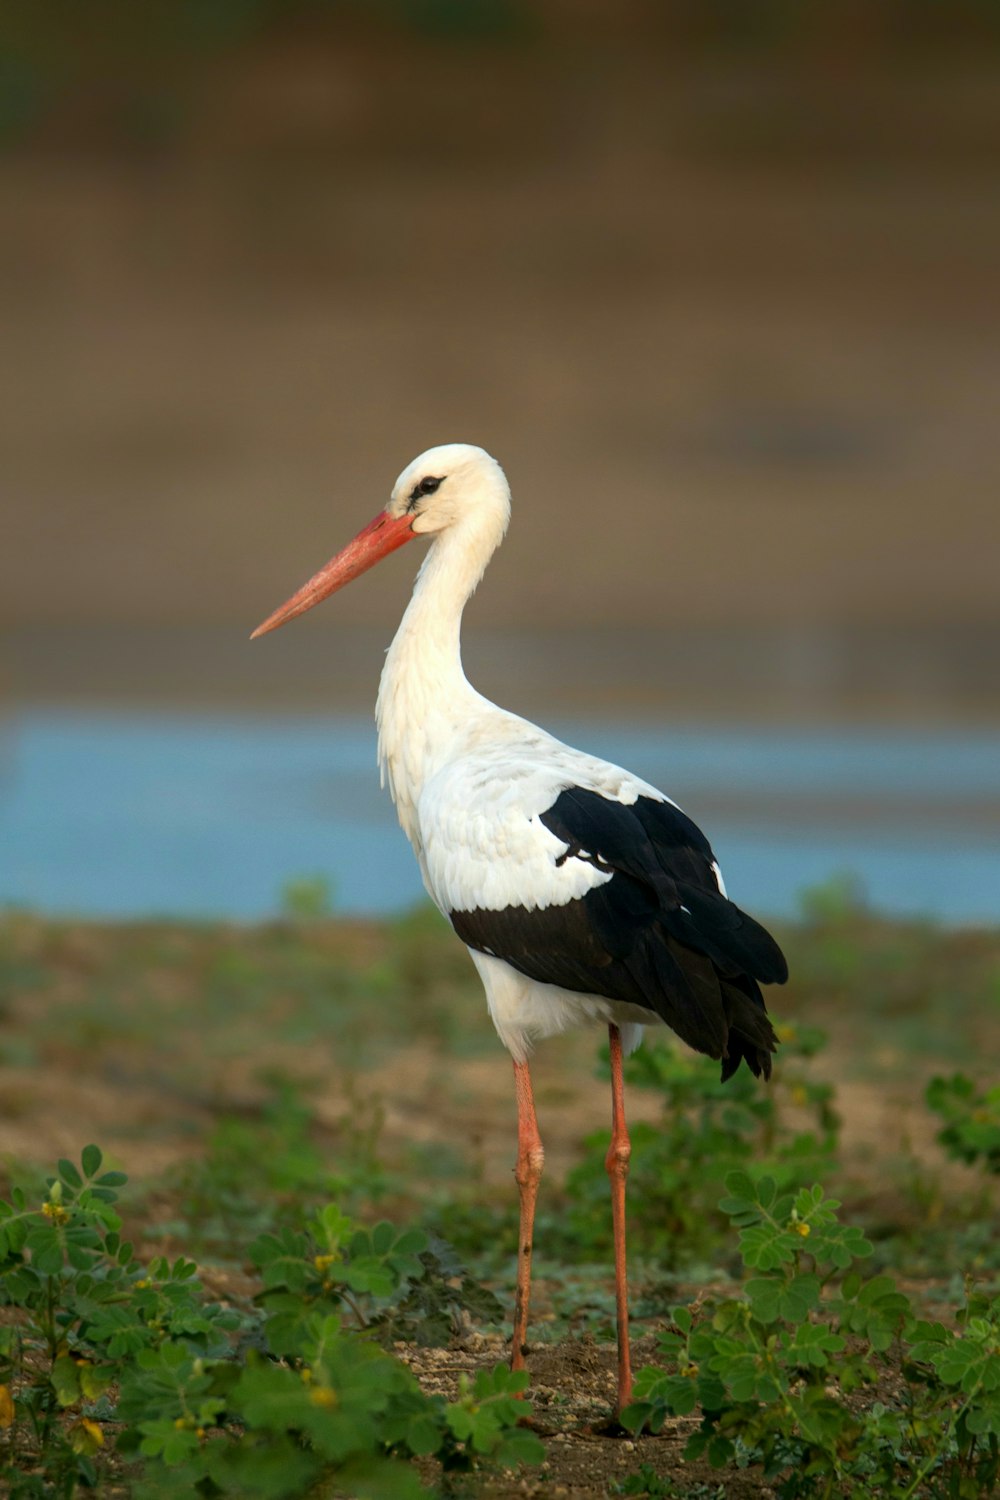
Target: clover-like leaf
<point>765,1247</point>
<point>813,1344</point>
<point>775,1297</point>
<point>90,1160</point>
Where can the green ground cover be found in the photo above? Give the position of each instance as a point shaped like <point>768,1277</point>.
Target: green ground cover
<point>302,1286</point>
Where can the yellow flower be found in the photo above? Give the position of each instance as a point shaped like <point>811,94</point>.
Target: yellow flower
<point>802,1228</point>
<point>6,1407</point>
<point>322,1395</point>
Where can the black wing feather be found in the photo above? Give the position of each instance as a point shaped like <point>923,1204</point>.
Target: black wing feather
<point>659,934</point>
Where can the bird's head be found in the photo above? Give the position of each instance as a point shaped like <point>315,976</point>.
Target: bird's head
<point>450,485</point>
<point>456,486</point>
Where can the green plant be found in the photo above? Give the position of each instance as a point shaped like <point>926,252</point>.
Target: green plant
<point>334,1264</point>
<point>437,1303</point>
<point>837,901</point>
<point>396,1286</point>
<point>793,1373</point>
<point>307,898</point>
<point>972,1120</point>
<point>82,1307</point>
<point>337,1408</point>
<point>102,1356</point>
<point>646,1481</point>
<point>268,1164</point>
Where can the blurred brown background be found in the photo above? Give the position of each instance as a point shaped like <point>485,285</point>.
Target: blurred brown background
<point>717,283</point>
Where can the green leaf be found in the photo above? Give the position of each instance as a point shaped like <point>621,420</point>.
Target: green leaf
<point>95,1379</point>
<point>382,1237</point>
<point>775,1297</point>
<point>741,1186</point>
<point>765,1247</point>
<point>745,1376</point>
<point>423,1435</point>
<point>66,1380</point>
<point>839,1244</point>
<point>821,1420</point>
<point>767,1190</point>
<point>520,1447</point>
<point>335,1227</point>
<point>876,1290</point>
<point>369,1273</point>
<point>681,1318</point>
<point>984,1418</point>
<point>410,1242</point>
<point>720,1452</point>
<point>69,1174</point>
<point>112,1179</point>
<point>813,1344</point>
<point>163,1439</point>
<point>460,1420</point>
<point>45,1244</point>
<point>90,1160</point>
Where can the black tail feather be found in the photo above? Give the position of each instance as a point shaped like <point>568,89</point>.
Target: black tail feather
<point>751,1035</point>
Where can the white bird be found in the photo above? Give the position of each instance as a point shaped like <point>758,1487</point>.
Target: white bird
<point>582,892</point>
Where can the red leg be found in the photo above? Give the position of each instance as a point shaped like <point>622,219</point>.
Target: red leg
<point>528,1172</point>
<point>616,1164</point>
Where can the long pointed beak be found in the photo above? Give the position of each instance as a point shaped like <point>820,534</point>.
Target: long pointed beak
<point>372,543</point>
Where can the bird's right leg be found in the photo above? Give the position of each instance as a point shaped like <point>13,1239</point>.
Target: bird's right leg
<point>616,1165</point>
<point>528,1172</point>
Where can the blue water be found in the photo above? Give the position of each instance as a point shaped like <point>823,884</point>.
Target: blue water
<point>128,815</point>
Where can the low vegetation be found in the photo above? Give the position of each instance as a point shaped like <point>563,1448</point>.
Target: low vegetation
<point>832,1382</point>
<point>242,1317</point>
<point>196,1397</point>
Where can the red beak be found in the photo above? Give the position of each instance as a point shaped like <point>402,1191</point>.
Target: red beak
<point>372,543</point>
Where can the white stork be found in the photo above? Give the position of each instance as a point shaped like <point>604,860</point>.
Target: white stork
<point>583,893</point>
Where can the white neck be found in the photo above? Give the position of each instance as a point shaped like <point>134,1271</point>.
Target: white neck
<point>424,697</point>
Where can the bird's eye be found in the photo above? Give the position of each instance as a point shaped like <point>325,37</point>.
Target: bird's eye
<point>425,487</point>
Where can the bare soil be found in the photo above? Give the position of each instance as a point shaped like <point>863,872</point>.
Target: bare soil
<point>572,1395</point>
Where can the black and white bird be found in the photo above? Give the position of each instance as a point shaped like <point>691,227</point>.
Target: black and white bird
<point>582,892</point>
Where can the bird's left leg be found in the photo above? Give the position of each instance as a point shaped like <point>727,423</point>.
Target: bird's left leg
<point>616,1164</point>
<point>528,1172</point>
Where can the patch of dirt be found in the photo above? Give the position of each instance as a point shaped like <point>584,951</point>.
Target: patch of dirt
<point>572,1394</point>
